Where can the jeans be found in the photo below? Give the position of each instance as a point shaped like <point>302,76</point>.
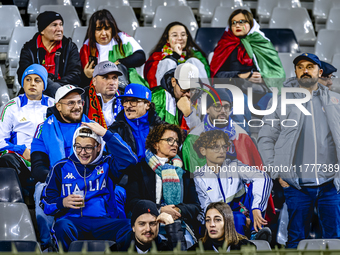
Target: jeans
<point>301,204</point>
<point>44,222</point>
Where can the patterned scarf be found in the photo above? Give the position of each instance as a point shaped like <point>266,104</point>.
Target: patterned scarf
<point>167,50</point>
<point>171,174</point>
<point>26,162</point>
<point>95,110</point>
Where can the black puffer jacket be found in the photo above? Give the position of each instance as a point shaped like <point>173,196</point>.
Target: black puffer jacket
<point>69,67</point>
<point>122,127</point>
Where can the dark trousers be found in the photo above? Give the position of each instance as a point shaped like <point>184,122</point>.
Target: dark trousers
<point>70,229</point>
<point>301,204</point>
<point>12,160</point>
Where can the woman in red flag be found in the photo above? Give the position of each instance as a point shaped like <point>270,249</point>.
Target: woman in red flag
<point>244,52</point>
<point>175,47</point>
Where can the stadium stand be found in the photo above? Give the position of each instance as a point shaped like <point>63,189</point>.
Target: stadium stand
<point>11,18</point>
<point>10,188</point>
<point>289,3</point>
<point>207,38</point>
<point>264,10</point>
<point>91,245</point>
<point>4,93</point>
<point>124,16</point>
<point>325,47</point>
<point>296,19</point>
<point>165,15</point>
<point>149,8</point>
<point>20,246</point>
<point>333,19</point>
<point>18,222</point>
<point>221,15</point>
<point>287,62</point>
<point>78,36</point>
<point>319,244</point>
<point>321,10</point>
<point>283,39</point>
<point>147,37</point>
<point>261,245</point>
<point>90,6</point>
<point>33,8</point>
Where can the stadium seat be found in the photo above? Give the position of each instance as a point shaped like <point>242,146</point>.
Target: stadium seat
<point>78,3</point>
<point>207,8</point>
<point>264,9</point>
<point>20,3</point>
<point>78,36</point>
<point>4,94</point>
<point>20,246</point>
<point>284,40</point>
<point>289,3</point>
<point>33,8</point>
<point>165,15</point>
<point>125,18</point>
<point>148,37</point>
<point>222,14</point>
<point>10,187</point>
<point>208,37</point>
<point>333,20</point>
<point>296,19</point>
<point>326,45</point>
<point>16,222</point>
<point>90,245</point>
<point>91,6</point>
<point>336,63</point>
<point>261,245</point>
<point>149,8</point>
<point>319,244</point>
<point>321,10</point>
<point>19,37</point>
<point>69,15</point>
<point>287,63</point>
<point>9,18</point>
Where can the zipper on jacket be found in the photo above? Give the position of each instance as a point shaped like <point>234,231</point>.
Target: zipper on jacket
<point>315,145</point>
<point>81,212</point>
<point>220,184</point>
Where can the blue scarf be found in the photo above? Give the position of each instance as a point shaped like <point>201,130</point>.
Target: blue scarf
<point>54,139</point>
<point>171,174</point>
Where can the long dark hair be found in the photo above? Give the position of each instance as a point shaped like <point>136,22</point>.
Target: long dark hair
<point>190,42</point>
<point>105,19</point>
<point>230,234</point>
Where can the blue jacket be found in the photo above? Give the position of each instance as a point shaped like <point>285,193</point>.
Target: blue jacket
<point>97,181</point>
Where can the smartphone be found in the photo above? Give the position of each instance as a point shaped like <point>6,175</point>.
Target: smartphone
<point>94,59</point>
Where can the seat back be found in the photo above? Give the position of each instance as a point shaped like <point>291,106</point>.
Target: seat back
<point>325,46</point>
<point>4,93</point>
<point>265,8</point>
<point>125,18</point>
<point>333,20</point>
<point>289,3</point>
<point>319,244</point>
<point>232,3</point>
<point>21,246</point>
<point>34,5</point>
<point>9,18</point>
<point>18,222</point>
<point>261,245</point>
<point>222,14</point>
<point>69,15</point>
<point>283,40</point>
<point>287,63</point>
<point>296,19</point>
<point>321,9</point>
<point>167,14</point>
<point>148,37</point>
<point>91,245</point>
<point>208,37</point>
<point>10,187</point>
<point>78,36</point>
<point>19,37</point>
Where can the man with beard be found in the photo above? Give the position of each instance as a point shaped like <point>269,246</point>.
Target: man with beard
<point>172,98</point>
<point>145,220</point>
<point>327,74</point>
<point>52,142</point>
<point>307,153</point>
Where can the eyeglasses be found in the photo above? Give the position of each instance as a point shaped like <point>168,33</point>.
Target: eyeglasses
<point>133,102</point>
<point>72,104</point>
<point>88,149</point>
<point>242,22</point>
<point>219,107</point>
<point>217,148</point>
<point>328,78</point>
<point>171,141</point>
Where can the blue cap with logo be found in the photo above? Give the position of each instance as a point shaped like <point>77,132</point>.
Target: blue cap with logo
<point>138,91</point>
<point>308,56</point>
<point>38,70</point>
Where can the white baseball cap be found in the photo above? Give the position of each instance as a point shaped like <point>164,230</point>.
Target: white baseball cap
<point>65,90</point>
<point>81,132</point>
<point>187,74</point>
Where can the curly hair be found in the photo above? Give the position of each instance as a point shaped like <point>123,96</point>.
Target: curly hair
<point>157,132</point>
<point>209,139</point>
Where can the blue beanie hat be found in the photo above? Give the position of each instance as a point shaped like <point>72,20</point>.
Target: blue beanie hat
<point>38,70</point>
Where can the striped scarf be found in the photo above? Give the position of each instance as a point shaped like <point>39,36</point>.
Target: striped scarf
<point>171,174</point>
<point>167,50</point>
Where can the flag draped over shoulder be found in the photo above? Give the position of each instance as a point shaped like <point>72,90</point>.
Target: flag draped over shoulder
<point>255,49</point>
